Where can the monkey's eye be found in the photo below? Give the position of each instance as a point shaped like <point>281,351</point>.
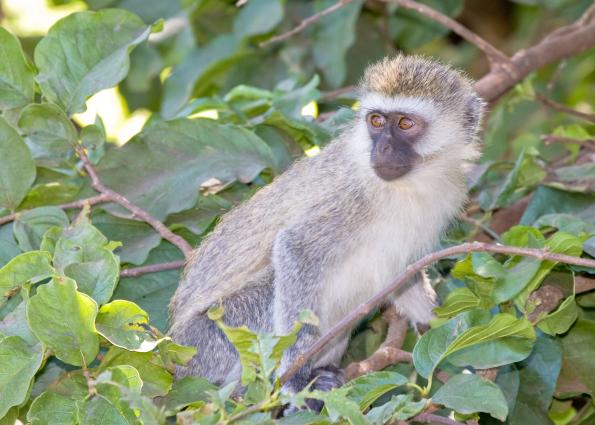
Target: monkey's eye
<point>376,120</point>
<point>406,123</point>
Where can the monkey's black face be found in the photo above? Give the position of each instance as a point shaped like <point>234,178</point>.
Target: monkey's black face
<point>393,136</point>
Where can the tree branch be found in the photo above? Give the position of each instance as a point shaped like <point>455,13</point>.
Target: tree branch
<point>564,42</point>
<point>76,204</point>
<point>151,268</point>
<point>496,57</point>
<point>429,418</point>
<point>360,312</point>
<point>305,23</point>
<point>563,108</point>
<point>136,211</point>
<point>389,352</point>
<point>551,138</point>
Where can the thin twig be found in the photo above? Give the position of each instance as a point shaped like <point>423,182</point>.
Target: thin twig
<point>306,23</point>
<point>152,268</point>
<point>136,211</point>
<point>389,352</point>
<point>563,108</point>
<point>495,56</point>
<point>479,225</point>
<point>76,204</point>
<point>552,138</point>
<point>430,418</point>
<point>365,308</point>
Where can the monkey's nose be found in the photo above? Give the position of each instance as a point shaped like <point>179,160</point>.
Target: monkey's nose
<point>385,148</point>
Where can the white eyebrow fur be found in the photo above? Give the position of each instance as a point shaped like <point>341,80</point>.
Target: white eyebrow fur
<point>375,101</point>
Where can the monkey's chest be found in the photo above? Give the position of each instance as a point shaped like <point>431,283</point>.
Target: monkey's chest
<point>370,264</point>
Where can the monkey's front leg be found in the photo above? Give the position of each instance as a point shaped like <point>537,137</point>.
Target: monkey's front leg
<point>298,286</point>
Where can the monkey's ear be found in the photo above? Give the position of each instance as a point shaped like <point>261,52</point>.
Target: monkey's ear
<point>473,114</point>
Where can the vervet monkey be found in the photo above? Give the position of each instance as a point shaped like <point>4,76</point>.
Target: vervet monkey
<point>336,228</point>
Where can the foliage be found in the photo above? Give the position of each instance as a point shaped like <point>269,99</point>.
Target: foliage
<point>78,342</point>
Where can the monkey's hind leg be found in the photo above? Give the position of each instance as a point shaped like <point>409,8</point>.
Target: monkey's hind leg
<point>217,359</point>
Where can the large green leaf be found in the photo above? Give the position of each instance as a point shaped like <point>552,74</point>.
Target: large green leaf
<point>30,226</point>
<point>152,291</point>
<point>579,351</point>
<point>505,339</point>
<point>99,408</point>
<point>186,391</point>
<point>126,325</point>
<point>468,393</point>
<point>258,17</point>
<point>32,266</point>
<point>49,133</point>
<point>333,36</point>
<point>18,366</point>
<point>51,408</point>
<point>84,254</point>
<point>86,52</point>
<point>183,153</point>
<point>17,85</point>
<point>366,389</point>
<point>399,408</point>
<point>64,320</point>
<point>17,168</point>
<point>196,70</point>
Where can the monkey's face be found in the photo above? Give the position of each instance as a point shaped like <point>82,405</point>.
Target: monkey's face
<point>394,136</point>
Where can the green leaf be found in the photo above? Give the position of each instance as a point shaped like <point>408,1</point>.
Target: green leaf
<point>182,153</point>
<point>126,325</point>
<point>368,388</point>
<point>32,266</point>
<point>137,238</point>
<point>339,406</point>
<point>559,321</point>
<point>98,407</point>
<point>187,391</point>
<point>505,339</point>
<point>529,385</point>
<point>258,17</point>
<point>84,254</point>
<point>30,226</point>
<point>116,381</point>
<point>333,35</point>
<point>156,380</point>
<point>17,368</point>
<point>468,393</point>
<point>579,351</point>
<point>152,291</point>
<point>17,168</point>
<point>50,135</point>
<point>51,408</point>
<point>546,200</point>
<point>457,301</point>
<point>85,53</point>
<point>64,320</point>
<point>17,85</point>
<point>196,70</point>
<point>399,408</point>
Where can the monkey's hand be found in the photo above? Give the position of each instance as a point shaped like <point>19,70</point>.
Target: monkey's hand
<point>324,378</point>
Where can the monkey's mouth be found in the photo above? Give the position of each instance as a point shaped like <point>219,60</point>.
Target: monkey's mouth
<point>389,173</point>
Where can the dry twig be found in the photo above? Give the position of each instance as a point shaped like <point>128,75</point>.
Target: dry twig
<point>551,138</point>
<point>563,108</point>
<point>389,352</point>
<point>151,268</point>
<point>363,309</point>
<point>76,204</point>
<point>136,211</point>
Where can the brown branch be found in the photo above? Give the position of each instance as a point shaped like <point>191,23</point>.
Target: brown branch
<point>496,57</point>
<point>566,41</point>
<point>563,108</point>
<point>365,308</point>
<point>136,211</point>
<point>151,268</point>
<point>551,138</point>
<point>306,23</point>
<point>430,418</point>
<point>76,204</point>
<point>389,352</point>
